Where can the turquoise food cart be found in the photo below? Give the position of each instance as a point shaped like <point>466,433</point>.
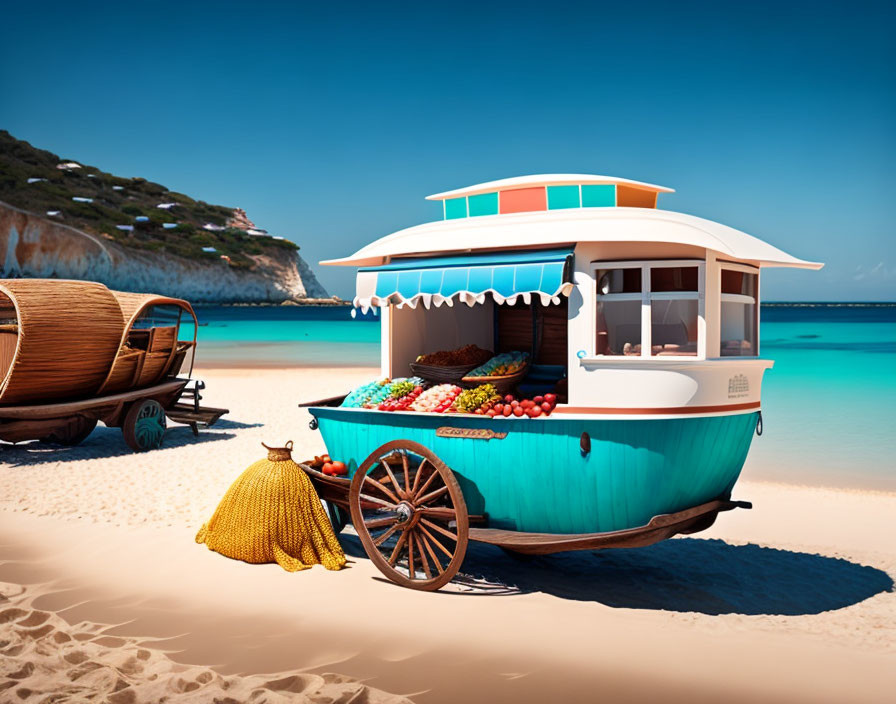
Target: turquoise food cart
<point>644,322</point>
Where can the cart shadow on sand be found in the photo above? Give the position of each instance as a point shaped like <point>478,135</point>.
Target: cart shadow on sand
<point>707,576</point>
<point>107,442</point>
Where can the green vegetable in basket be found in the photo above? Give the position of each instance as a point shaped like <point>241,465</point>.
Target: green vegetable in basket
<point>469,400</point>
<point>401,388</point>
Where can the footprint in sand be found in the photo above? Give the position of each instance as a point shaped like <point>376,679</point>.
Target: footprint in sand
<point>13,614</point>
<point>293,683</point>
<point>182,685</point>
<point>75,657</point>
<point>132,666</point>
<point>84,668</point>
<point>35,618</point>
<point>23,672</point>
<point>36,633</point>
<point>124,696</point>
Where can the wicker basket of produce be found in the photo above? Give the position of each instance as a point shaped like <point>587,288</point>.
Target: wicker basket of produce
<point>449,366</point>
<point>442,375</point>
<point>504,371</point>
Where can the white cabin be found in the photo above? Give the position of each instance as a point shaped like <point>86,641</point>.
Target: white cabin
<point>646,311</point>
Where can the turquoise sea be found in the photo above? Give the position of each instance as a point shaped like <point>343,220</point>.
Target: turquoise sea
<point>829,403</point>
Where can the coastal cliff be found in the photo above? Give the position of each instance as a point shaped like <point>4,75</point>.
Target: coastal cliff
<point>63,219</point>
<point>33,246</point>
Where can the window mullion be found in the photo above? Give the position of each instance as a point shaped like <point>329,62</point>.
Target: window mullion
<point>701,311</point>
<point>645,311</point>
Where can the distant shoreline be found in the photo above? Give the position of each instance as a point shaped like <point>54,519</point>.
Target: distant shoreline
<point>302,302</point>
<point>340,303</point>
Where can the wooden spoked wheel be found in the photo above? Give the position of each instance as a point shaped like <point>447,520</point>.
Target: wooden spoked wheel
<point>73,431</point>
<point>144,425</point>
<point>409,512</point>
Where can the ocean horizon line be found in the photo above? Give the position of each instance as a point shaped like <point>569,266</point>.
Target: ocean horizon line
<point>763,304</point>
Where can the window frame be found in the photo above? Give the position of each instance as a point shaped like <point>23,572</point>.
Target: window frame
<point>646,296</point>
<point>739,298</point>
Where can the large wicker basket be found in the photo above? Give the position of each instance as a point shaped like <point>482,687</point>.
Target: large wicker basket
<point>441,375</point>
<point>503,384</point>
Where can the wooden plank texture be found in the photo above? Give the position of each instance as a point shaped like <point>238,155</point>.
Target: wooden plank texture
<point>659,528</point>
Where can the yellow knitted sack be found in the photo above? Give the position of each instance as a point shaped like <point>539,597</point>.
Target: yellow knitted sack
<point>271,513</point>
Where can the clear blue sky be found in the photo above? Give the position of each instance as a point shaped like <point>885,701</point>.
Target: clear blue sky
<point>330,123</point>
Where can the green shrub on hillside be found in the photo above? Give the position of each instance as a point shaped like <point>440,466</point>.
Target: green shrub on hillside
<point>19,161</point>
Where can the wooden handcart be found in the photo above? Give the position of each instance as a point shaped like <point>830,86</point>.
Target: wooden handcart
<point>73,353</point>
<point>408,510</point>
<point>642,325</point>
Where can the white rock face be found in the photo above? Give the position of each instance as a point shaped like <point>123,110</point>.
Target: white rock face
<point>34,247</point>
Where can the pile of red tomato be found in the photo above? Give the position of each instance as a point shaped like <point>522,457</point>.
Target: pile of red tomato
<point>528,408</point>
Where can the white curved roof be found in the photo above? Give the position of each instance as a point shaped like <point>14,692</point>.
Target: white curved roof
<point>506,184</point>
<point>555,227</point>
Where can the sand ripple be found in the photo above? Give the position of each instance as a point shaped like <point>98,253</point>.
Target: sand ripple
<point>44,658</point>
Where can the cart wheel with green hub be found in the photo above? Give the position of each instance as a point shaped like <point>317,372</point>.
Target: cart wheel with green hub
<point>144,425</point>
<point>409,512</point>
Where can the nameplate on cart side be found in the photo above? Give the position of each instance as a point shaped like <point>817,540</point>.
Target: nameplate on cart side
<point>446,431</point>
<point>738,386</point>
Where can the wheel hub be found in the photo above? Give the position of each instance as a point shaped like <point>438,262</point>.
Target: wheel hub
<point>405,512</point>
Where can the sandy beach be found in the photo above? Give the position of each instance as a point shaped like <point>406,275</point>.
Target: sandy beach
<point>104,590</point>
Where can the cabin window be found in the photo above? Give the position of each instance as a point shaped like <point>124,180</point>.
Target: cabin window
<point>561,197</point>
<point>674,303</point>
<point>619,303</point>
<point>739,313</point>
<point>482,204</point>
<point>455,208</point>
<point>648,309</point>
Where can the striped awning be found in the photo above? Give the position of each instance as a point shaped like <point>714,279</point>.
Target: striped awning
<point>505,276</point>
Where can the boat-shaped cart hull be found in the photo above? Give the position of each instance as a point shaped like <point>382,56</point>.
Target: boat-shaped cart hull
<point>569,475</point>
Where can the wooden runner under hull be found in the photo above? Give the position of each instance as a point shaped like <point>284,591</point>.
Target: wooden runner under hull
<point>335,490</point>
<point>659,528</point>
